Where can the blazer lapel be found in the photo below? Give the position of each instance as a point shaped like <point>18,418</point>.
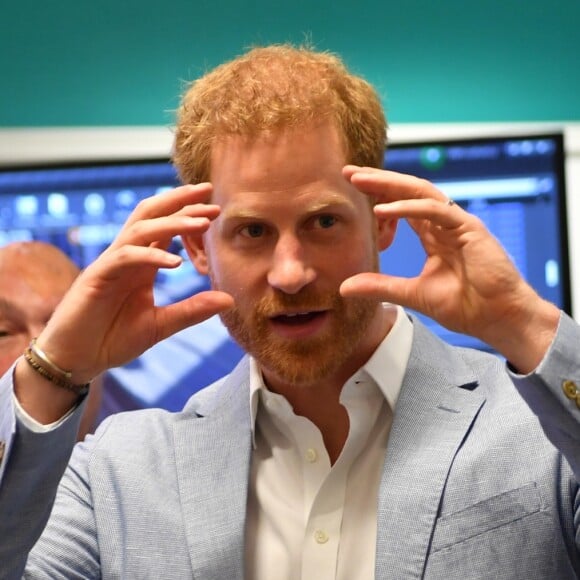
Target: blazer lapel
<point>431,419</point>
<point>212,459</point>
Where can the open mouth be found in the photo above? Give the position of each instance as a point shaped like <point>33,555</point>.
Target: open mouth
<point>297,318</point>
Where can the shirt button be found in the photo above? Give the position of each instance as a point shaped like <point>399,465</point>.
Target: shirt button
<point>320,536</point>
<point>311,455</point>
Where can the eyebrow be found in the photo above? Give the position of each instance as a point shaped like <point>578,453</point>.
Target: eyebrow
<point>327,204</point>
<point>330,204</point>
<point>10,310</point>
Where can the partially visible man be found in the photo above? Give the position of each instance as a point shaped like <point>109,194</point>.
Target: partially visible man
<point>34,277</point>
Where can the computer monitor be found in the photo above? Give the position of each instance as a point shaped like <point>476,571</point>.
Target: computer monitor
<point>515,184</point>
<point>80,207</point>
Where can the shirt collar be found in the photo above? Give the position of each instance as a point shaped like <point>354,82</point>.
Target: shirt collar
<point>386,366</point>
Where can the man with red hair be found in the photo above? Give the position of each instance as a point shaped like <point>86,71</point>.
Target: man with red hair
<point>350,442</point>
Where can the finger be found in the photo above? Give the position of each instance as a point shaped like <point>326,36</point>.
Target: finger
<point>389,186</point>
<point>211,211</point>
<point>116,262</point>
<point>170,202</point>
<point>208,211</point>
<point>382,287</point>
<point>159,230</point>
<point>445,214</point>
<point>180,315</point>
<point>349,170</point>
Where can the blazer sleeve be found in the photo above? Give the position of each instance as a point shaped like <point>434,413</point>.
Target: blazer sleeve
<point>553,394</point>
<point>33,468</point>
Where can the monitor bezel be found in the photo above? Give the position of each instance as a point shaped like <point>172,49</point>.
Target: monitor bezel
<point>557,137</point>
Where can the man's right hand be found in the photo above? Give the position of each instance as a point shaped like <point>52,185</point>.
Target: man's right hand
<point>108,317</point>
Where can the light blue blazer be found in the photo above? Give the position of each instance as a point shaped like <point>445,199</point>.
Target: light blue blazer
<point>478,480</point>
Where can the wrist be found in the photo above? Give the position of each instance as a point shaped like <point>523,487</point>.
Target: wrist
<point>48,369</point>
<point>528,337</point>
<point>41,399</point>
<point>61,352</point>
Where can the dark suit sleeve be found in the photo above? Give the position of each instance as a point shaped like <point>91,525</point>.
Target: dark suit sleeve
<point>32,472</point>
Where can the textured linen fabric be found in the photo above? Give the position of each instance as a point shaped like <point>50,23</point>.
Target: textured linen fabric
<point>471,486</point>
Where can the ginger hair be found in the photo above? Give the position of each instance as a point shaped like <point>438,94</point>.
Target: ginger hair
<point>271,89</point>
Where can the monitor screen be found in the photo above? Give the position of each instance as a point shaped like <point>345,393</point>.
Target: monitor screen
<point>515,185</point>
<point>80,208</point>
<point>77,207</point>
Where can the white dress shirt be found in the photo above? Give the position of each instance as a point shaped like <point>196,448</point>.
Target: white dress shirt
<point>307,519</point>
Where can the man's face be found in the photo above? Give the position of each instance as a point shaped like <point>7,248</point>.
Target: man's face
<point>290,231</point>
<point>27,300</point>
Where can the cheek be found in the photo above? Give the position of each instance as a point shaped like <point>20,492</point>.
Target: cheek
<point>231,271</point>
<point>365,259</point>
<point>229,276</point>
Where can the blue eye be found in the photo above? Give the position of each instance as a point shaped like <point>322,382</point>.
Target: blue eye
<point>326,221</point>
<point>253,230</point>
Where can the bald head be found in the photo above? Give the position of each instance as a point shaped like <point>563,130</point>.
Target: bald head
<point>34,276</point>
<point>41,266</point>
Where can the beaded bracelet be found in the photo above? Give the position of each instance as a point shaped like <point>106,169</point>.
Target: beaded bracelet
<point>40,362</point>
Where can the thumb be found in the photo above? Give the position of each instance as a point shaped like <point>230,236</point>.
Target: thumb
<point>193,310</point>
<point>387,288</point>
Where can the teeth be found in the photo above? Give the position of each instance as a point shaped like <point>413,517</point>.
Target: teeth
<point>297,314</point>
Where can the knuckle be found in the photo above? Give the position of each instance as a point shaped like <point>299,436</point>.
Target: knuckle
<point>143,207</point>
<point>122,254</point>
<point>137,229</point>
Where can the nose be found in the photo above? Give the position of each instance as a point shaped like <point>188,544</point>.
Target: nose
<point>289,271</point>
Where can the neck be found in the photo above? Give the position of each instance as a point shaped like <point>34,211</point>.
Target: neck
<point>320,401</point>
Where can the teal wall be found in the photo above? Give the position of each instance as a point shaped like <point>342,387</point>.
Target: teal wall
<point>122,62</point>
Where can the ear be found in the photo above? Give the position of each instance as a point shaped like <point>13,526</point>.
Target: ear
<point>386,229</point>
<point>195,247</point>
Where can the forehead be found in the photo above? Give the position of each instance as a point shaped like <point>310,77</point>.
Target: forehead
<point>32,276</point>
<point>304,166</point>
<point>20,304</point>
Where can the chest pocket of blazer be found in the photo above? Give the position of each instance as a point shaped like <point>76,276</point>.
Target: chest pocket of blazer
<point>489,514</point>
